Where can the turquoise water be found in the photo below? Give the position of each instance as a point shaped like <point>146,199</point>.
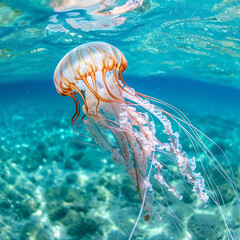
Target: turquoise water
<point>56,185</point>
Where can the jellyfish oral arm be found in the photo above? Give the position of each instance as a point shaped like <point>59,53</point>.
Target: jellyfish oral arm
<point>186,165</point>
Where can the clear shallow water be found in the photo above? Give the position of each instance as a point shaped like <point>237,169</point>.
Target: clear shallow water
<point>53,187</point>
<point>197,40</point>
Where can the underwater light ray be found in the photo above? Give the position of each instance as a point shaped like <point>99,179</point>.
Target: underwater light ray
<point>108,103</point>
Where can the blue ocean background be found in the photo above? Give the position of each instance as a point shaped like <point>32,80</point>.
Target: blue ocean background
<point>52,186</point>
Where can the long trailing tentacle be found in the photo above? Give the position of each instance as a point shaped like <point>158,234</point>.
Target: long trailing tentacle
<point>195,131</point>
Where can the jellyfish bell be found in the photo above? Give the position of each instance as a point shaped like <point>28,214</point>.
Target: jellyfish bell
<point>85,62</point>
<point>93,71</point>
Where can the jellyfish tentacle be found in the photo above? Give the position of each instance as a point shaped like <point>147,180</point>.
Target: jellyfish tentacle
<point>159,176</point>
<point>83,98</point>
<point>122,88</point>
<point>97,135</point>
<point>131,139</point>
<point>105,83</point>
<point>178,153</point>
<point>77,110</point>
<point>128,138</point>
<point>94,93</point>
<point>123,145</point>
<point>147,148</point>
<point>197,180</point>
<point>221,170</point>
<point>203,146</point>
<point>108,66</point>
<point>96,90</point>
<point>195,131</point>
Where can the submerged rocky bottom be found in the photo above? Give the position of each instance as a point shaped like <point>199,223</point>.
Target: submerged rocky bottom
<point>53,187</point>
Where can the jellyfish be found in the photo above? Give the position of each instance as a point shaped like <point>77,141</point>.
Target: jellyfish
<point>124,123</point>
